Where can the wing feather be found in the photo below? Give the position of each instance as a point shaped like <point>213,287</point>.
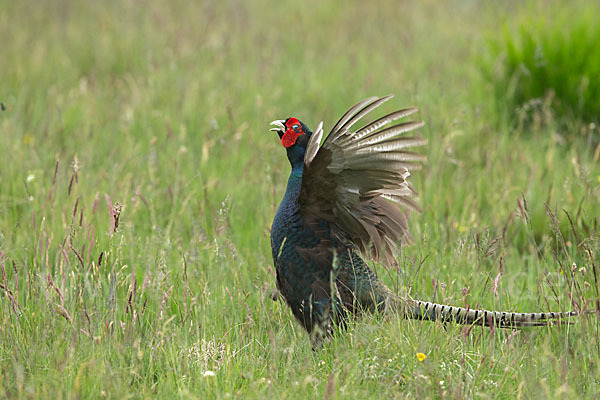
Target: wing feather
<point>357,180</point>
<point>385,120</point>
<point>313,144</point>
<point>364,111</point>
<point>336,130</point>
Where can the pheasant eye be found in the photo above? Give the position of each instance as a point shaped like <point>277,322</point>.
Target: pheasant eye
<point>295,127</point>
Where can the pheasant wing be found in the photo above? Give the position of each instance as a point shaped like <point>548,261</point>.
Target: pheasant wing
<point>357,179</point>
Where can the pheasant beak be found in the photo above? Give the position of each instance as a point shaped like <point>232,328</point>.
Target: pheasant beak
<point>279,125</point>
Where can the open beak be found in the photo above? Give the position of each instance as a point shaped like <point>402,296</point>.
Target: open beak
<point>279,125</point>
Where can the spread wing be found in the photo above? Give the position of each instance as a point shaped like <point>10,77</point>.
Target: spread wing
<point>357,180</point>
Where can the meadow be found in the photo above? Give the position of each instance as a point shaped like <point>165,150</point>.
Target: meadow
<point>139,180</point>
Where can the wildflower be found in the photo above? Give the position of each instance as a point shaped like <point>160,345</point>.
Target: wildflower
<point>208,373</point>
<point>28,139</point>
<point>421,357</point>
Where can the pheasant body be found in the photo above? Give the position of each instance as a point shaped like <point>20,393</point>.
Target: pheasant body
<point>303,281</point>
<point>342,199</point>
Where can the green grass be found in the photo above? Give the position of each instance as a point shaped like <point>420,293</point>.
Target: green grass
<point>163,107</point>
<point>549,62</point>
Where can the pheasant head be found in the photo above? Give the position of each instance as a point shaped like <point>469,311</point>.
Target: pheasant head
<point>294,136</point>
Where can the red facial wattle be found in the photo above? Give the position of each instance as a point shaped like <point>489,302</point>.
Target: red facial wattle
<point>289,138</point>
<point>293,130</point>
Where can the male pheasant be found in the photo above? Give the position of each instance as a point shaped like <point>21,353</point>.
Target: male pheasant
<point>343,198</point>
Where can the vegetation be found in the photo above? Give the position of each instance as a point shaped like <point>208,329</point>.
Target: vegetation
<point>139,181</point>
<point>549,62</point>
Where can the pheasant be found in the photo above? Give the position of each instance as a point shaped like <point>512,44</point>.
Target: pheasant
<point>344,199</point>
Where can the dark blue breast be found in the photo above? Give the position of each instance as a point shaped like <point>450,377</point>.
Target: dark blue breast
<point>288,234</point>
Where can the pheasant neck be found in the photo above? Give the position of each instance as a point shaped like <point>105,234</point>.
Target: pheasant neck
<point>294,182</point>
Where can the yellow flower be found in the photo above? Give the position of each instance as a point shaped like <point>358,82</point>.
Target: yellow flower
<point>598,178</point>
<point>28,139</point>
<point>421,357</point>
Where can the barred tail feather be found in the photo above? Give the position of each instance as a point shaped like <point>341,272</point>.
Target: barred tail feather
<point>423,310</point>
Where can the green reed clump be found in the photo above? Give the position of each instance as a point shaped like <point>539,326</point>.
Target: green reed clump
<point>548,61</point>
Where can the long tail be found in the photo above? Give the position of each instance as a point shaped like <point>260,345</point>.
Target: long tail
<point>424,310</point>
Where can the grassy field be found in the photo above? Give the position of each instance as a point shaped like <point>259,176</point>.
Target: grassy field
<point>138,183</point>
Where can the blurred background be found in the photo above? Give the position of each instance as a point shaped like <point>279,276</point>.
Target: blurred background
<point>139,179</point>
